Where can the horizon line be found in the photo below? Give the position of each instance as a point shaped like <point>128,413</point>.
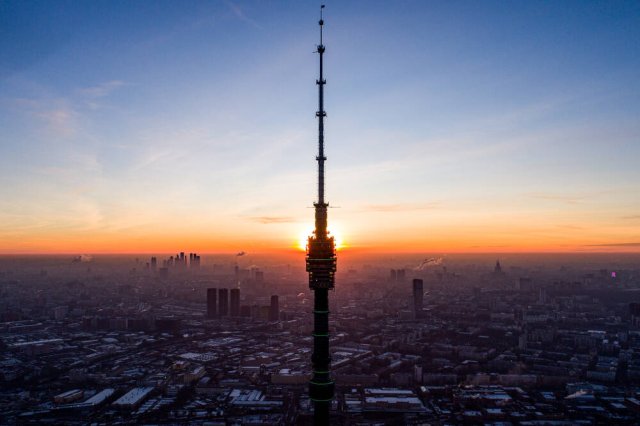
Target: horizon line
<point>296,251</point>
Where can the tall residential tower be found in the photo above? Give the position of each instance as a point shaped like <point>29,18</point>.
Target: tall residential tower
<point>417,297</point>
<point>321,266</point>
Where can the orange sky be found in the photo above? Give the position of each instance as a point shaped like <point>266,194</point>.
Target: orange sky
<point>457,236</point>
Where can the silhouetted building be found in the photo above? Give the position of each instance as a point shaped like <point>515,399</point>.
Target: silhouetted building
<point>498,268</point>
<point>194,261</point>
<point>259,277</point>
<point>634,310</point>
<point>235,302</point>
<point>223,302</point>
<point>418,292</point>
<point>274,312</point>
<point>393,276</point>
<point>181,261</point>
<point>212,302</point>
<point>400,274</point>
<point>154,264</point>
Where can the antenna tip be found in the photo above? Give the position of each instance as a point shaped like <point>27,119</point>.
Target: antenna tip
<point>321,22</point>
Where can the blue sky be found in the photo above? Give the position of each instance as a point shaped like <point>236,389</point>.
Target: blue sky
<point>451,125</point>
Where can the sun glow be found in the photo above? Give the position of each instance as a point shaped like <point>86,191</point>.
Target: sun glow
<point>303,236</point>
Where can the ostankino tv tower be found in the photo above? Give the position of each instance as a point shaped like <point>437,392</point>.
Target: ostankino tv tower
<point>321,266</point>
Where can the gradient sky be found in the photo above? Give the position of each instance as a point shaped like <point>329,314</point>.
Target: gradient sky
<point>153,126</point>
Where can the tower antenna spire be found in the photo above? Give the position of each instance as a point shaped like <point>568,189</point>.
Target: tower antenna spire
<point>321,22</point>
<point>321,266</point>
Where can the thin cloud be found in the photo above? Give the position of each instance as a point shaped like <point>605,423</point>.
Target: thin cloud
<point>400,207</point>
<point>569,199</point>
<point>272,219</point>
<point>58,115</point>
<point>239,13</point>
<point>102,89</point>
<point>572,227</point>
<point>634,217</point>
<point>60,121</point>
<point>615,245</point>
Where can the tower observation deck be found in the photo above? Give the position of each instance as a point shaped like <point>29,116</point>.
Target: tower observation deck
<point>321,266</point>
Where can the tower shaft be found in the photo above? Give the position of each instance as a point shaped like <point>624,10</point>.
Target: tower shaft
<point>321,266</point>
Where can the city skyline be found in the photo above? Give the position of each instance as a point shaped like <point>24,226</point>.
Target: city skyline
<point>456,127</point>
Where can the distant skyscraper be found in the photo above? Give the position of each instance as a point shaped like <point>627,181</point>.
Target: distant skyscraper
<point>321,266</point>
<point>274,312</point>
<point>212,300</point>
<point>235,302</point>
<point>498,268</point>
<point>393,276</point>
<point>154,264</point>
<point>400,273</point>
<point>418,292</point>
<point>194,261</point>
<point>223,302</point>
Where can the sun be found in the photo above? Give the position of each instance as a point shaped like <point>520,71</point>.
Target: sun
<point>333,231</point>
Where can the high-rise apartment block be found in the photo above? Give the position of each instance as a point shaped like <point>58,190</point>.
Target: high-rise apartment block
<point>212,300</point>
<point>418,292</point>
<point>274,311</point>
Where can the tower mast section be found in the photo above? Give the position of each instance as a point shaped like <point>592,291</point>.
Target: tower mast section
<point>321,266</point>
<point>321,114</point>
